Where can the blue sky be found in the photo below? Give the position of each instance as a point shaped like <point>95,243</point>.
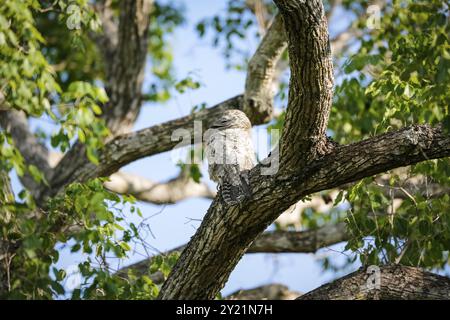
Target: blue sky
<point>173,225</point>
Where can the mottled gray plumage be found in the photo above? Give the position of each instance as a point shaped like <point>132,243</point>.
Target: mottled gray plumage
<point>230,155</point>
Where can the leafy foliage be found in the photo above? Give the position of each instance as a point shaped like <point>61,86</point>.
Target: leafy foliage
<point>399,76</point>
<point>47,77</point>
<point>51,69</point>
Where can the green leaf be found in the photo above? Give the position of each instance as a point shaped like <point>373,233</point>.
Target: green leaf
<point>75,248</point>
<point>35,173</point>
<point>92,155</point>
<point>125,246</point>
<point>195,172</point>
<point>338,198</point>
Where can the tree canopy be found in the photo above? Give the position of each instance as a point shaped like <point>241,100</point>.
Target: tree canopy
<point>363,110</point>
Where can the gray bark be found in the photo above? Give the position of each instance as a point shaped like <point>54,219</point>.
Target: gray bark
<point>311,84</point>
<point>258,97</point>
<point>266,292</point>
<point>395,283</point>
<point>172,191</point>
<point>129,147</point>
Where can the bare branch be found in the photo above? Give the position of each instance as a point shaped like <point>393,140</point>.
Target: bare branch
<point>143,189</point>
<point>258,97</point>
<point>342,40</point>
<point>308,241</point>
<point>172,191</point>
<point>396,282</point>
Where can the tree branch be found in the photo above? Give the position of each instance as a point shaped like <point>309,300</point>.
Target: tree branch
<point>126,74</point>
<point>129,147</point>
<point>34,153</point>
<point>258,97</point>
<point>258,107</point>
<point>227,231</point>
<point>107,41</point>
<point>311,84</point>
<point>272,291</point>
<point>396,282</point>
<point>143,189</point>
<point>172,191</point>
<point>308,241</point>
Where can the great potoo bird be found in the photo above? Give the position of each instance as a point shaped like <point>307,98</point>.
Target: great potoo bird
<point>230,155</point>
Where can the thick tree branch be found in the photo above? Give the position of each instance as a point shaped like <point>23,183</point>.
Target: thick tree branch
<point>311,84</point>
<point>396,282</point>
<point>126,74</point>
<point>308,241</point>
<point>258,97</point>
<point>227,231</point>
<point>266,292</point>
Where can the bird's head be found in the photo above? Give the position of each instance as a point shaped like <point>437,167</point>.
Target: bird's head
<point>232,119</point>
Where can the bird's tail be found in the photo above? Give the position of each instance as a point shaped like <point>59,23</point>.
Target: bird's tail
<point>235,186</point>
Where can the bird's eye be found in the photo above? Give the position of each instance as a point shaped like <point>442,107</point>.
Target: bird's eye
<point>221,123</point>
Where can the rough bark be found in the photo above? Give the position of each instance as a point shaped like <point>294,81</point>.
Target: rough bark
<point>311,83</point>
<point>308,241</point>
<point>267,292</point>
<point>174,190</point>
<point>395,283</point>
